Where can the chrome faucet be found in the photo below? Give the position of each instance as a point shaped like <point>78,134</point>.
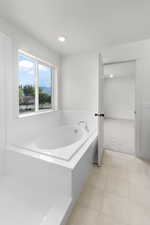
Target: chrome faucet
<point>85,124</point>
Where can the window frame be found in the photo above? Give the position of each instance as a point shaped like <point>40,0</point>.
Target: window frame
<point>54,85</point>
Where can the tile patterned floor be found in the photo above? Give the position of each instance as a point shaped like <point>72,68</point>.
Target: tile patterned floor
<point>118,193</point>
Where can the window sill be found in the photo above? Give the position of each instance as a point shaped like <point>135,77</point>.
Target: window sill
<point>36,113</point>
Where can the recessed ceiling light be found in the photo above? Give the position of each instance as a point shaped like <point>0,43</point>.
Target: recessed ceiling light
<point>61,39</point>
<point>111,75</point>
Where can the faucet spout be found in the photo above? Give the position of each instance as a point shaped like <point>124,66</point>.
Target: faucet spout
<point>85,124</point>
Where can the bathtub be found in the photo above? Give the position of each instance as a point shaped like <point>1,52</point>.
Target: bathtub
<point>60,143</point>
<point>55,162</point>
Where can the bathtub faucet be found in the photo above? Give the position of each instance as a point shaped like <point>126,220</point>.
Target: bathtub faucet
<point>85,124</point>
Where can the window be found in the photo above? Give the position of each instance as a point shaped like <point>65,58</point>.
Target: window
<point>36,84</point>
<point>26,84</point>
<point>45,86</point>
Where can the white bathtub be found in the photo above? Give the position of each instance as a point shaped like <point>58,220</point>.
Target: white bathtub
<point>61,143</point>
<point>58,156</point>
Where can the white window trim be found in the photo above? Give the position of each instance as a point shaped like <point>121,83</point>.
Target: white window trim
<point>54,87</point>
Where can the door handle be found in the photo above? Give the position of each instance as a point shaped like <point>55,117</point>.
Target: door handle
<point>99,114</point>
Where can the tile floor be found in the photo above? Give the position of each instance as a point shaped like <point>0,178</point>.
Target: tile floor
<point>118,193</point>
<point>119,135</point>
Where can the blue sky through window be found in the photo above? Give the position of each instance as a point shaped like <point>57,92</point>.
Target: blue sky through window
<point>44,76</point>
<point>27,73</point>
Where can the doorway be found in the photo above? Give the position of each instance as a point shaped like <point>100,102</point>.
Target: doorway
<point>119,106</point>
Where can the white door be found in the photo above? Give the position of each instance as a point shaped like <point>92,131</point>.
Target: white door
<point>100,113</point>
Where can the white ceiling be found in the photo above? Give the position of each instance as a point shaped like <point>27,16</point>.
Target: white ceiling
<point>87,24</point>
<point>120,70</point>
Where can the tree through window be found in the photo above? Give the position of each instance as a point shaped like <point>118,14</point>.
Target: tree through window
<point>35,85</point>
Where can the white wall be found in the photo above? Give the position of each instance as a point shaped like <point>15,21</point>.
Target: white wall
<point>119,91</point>
<point>16,39</point>
<point>76,77</point>
<point>79,86</point>
<point>28,43</point>
<point>3,58</point>
<point>141,52</point>
<point>119,97</point>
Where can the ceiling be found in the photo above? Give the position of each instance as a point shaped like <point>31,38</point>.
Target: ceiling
<point>87,24</point>
<point>120,69</point>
